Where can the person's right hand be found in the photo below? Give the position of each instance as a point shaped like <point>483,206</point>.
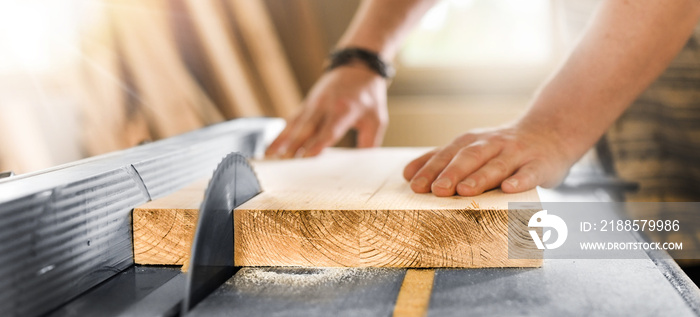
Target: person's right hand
<point>515,158</point>
<point>344,98</point>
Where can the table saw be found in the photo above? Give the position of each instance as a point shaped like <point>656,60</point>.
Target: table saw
<point>66,249</point>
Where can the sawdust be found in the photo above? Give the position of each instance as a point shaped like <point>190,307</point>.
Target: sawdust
<point>299,276</point>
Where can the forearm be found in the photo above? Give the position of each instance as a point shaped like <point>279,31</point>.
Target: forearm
<point>381,25</point>
<point>627,47</point>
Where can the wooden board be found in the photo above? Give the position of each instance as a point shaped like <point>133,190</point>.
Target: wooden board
<point>164,228</point>
<point>345,208</point>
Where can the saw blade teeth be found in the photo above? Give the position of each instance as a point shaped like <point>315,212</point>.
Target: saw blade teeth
<point>222,170</point>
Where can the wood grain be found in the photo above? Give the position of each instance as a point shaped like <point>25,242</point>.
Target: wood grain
<point>164,228</point>
<point>352,208</point>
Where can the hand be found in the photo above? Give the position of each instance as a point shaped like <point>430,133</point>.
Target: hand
<point>344,98</point>
<point>515,158</point>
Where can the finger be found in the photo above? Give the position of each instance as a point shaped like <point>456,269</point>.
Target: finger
<point>412,168</point>
<point>527,177</point>
<point>428,171</point>
<point>282,138</point>
<point>467,161</point>
<point>488,176</point>
<point>332,129</point>
<point>304,130</point>
<point>420,183</point>
<point>370,132</point>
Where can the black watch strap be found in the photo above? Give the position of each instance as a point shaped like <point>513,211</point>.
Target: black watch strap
<point>370,59</point>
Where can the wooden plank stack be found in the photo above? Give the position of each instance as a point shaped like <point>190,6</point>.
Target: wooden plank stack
<point>346,208</point>
<point>159,68</point>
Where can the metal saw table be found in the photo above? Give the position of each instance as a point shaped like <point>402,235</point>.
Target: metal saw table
<point>65,250</point>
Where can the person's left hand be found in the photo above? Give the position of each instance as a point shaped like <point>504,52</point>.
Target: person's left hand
<point>343,98</point>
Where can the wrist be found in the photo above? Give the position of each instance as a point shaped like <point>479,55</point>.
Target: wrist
<point>352,76</point>
<point>357,56</point>
<point>550,129</point>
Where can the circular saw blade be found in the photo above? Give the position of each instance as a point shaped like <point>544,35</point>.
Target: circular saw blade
<point>211,260</point>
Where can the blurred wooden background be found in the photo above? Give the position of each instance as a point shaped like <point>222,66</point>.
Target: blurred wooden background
<point>147,70</point>
<point>160,68</point>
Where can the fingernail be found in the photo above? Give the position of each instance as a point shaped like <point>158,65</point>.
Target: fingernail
<point>445,183</point>
<point>469,182</point>
<point>513,182</point>
<point>420,182</point>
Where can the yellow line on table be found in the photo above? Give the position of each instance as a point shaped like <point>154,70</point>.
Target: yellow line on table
<point>414,295</point>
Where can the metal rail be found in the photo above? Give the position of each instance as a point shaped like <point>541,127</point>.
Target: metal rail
<point>68,228</point>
